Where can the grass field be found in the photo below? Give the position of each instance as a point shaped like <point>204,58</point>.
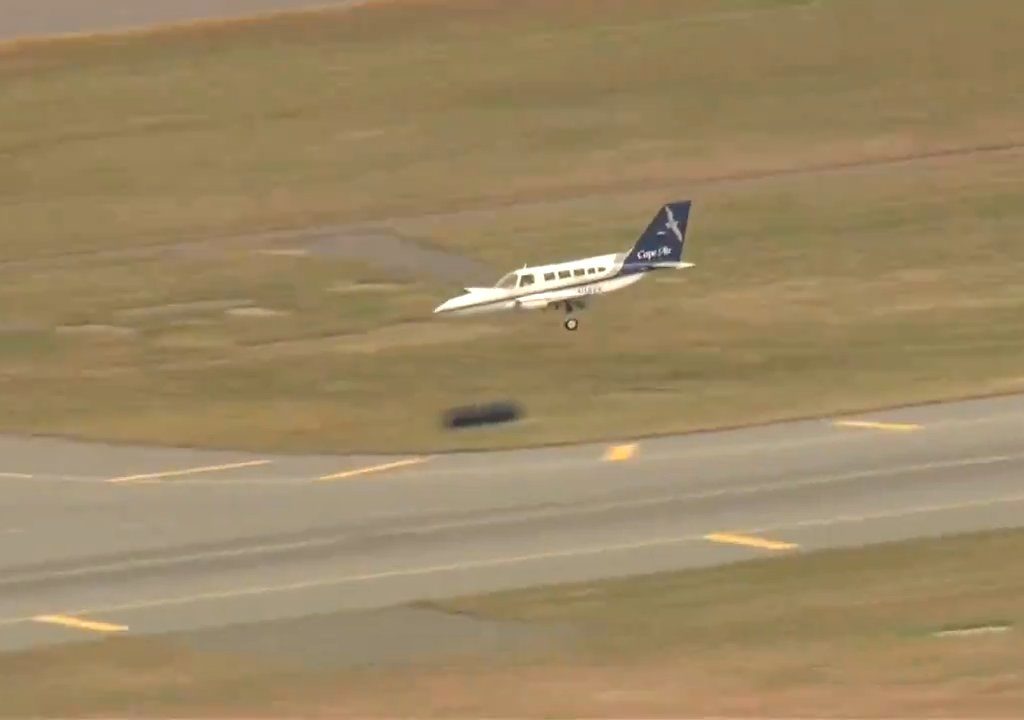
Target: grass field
<point>851,633</point>
<point>139,175</point>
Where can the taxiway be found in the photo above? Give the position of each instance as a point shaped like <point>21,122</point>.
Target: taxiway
<point>120,539</point>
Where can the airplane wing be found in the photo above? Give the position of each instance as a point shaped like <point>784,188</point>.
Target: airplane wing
<point>552,299</point>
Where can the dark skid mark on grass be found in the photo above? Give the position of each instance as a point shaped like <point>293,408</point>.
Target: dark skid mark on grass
<point>394,253</point>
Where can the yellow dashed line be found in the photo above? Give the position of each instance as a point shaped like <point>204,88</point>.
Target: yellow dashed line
<point>894,427</point>
<point>619,452</point>
<point>749,541</point>
<point>187,471</point>
<point>374,468</point>
<point>79,624</point>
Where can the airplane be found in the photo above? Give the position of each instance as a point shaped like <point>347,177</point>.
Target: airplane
<point>569,284</point>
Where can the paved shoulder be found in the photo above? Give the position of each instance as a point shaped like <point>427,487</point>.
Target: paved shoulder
<point>31,18</point>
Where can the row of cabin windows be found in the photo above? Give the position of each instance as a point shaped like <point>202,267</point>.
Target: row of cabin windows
<point>562,275</point>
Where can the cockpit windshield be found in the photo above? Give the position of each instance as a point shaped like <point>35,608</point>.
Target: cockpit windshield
<point>508,282</point>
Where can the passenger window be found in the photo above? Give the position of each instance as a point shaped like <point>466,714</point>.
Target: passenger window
<point>600,270</point>
<point>526,280</point>
<point>549,276</point>
<point>578,271</point>
<point>563,273</point>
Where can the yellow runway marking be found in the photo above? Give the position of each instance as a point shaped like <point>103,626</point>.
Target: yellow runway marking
<point>374,468</point>
<point>620,452</point>
<point>749,541</point>
<point>894,427</point>
<point>19,476</point>
<point>79,624</point>
<point>187,471</point>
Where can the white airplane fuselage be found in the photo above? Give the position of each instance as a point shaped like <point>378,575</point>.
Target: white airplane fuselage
<point>548,286</point>
<point>571,283</point>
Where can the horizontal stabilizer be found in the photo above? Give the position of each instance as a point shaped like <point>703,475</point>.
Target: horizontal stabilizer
<point>672,265</point>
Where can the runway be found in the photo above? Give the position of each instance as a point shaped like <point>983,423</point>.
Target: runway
<point>101,539</point>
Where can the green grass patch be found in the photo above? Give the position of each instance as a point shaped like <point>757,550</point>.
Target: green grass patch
<point>854,629</point>
<point>528,132</point>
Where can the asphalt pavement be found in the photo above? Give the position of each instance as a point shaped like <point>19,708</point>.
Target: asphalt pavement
<point>41,18</point>
<point>100,539</point>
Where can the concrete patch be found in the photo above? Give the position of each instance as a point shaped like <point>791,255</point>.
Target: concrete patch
<point>396,254</point>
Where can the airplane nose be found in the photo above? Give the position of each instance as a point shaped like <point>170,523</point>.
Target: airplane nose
<point>451,304</point>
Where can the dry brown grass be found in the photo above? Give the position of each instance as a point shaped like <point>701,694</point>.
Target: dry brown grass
<point>530,131</point>
<point>976,679</point>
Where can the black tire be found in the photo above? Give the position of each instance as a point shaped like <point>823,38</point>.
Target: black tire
<point>571,324</point>
<point>494,413</point>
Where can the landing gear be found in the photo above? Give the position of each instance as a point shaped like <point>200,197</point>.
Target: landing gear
<point>571,323</point>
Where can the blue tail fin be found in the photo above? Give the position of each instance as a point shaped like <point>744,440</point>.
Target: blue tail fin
<point>663,240</point>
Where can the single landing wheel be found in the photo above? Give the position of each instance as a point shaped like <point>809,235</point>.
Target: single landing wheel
<point>572,324</point>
